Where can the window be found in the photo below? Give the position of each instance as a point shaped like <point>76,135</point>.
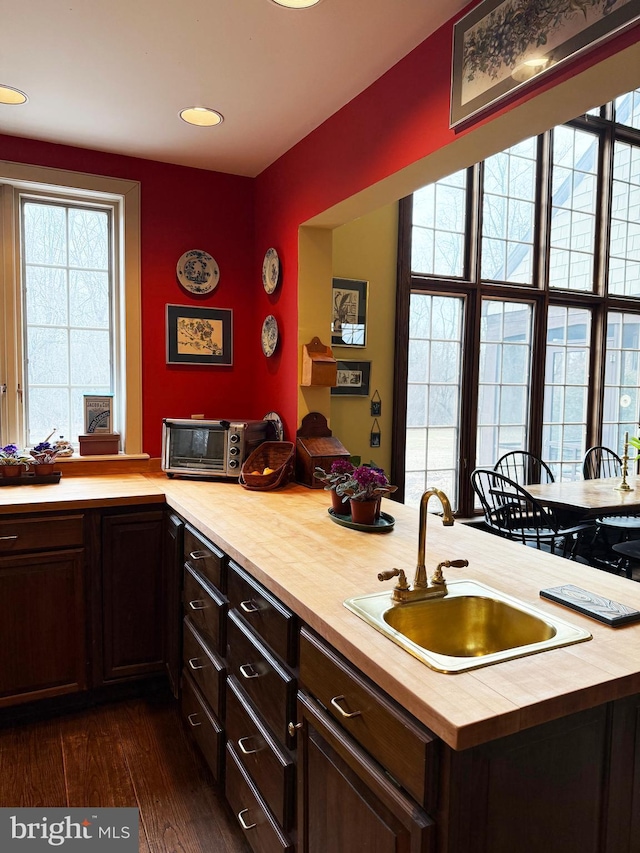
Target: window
<point>539,247</point>
<point>71,289</point>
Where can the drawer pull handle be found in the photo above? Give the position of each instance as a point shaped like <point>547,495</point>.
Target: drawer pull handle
<point>191,719</point>
<point>336,700</point>
<point>292,728</point>
<point>241,820</point>
<point>9,538</point>
<point>249,606</point>
<point>244,749</point>
<point>247,670</point>
<point>194,665</point>
<point>199,555</point>
<point>198,604</point>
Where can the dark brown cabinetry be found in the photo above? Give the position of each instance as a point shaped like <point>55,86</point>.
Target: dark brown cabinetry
<point>367,771</point>
<point>173,535</point>
<point>132,594</point>
<point>42,607</point>
<point>203,638</point>
<point>262,650</point>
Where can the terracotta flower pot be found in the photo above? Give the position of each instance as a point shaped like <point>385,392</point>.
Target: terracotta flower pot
<point>43,468</point>
<point>336,503</point>
<point>11,470</point>
<point>364,512</point>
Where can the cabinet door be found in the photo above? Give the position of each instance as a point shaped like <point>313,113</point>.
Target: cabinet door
<point>132,594</point>
<point>623,805</point>
<point>172,555</point>
<point>346,802</point>
<point>42,607</point>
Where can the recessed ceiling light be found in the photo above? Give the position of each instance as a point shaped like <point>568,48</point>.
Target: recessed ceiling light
<point>201,116</point>
<point>297,4</point>
<point>9,95</point>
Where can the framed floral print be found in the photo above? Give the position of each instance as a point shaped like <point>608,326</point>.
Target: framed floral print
<point>199,335</point>
<point>349,317</point>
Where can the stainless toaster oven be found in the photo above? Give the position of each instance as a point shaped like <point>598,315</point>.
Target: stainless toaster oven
<point>212,448</point>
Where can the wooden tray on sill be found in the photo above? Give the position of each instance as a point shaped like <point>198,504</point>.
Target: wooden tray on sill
<point>31,479</point>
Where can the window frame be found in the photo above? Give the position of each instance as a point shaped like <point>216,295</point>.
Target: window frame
<point>599,301</point>
<point>123,196</point>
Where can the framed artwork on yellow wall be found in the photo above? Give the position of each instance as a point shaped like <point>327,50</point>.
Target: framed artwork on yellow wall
<point>349,317</point>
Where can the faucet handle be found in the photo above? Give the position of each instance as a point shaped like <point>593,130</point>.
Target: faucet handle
<point>395,573</point>
<point>438,578</point>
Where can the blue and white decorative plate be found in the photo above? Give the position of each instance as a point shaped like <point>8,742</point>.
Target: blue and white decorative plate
<point>198,272</point>
<point>270,270</point>
<point>269,335</point>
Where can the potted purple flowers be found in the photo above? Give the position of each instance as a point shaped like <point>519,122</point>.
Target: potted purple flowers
<point>339,472</point>
<point>12,461</point>
<point>364,488</point>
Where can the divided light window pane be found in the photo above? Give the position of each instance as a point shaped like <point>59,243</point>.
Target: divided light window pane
<point>439,220</point>
<point>624,244</point>
<point>508,214</point>
<point>504,379</point>
<point>573,209</point>
<point>622,379</point>
<point>433,395</point>
<point>627,108</point>
<point>566,390</point>
<point>67,303</point>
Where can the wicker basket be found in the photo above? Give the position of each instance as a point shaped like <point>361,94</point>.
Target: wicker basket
<point>278,455</point>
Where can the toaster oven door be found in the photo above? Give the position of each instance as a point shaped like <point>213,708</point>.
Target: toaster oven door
<point>196,449</point>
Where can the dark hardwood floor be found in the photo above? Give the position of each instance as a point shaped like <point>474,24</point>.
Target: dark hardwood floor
<point>131,753</point>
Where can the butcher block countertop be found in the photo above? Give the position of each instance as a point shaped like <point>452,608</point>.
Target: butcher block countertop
<point>287,540</point>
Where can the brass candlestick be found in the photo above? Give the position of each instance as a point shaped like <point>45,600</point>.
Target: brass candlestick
<point>624,486</point>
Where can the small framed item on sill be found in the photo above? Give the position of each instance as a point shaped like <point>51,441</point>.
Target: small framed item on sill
<point>98,416</point>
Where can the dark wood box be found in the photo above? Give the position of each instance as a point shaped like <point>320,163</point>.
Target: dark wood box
<point>317,452</point>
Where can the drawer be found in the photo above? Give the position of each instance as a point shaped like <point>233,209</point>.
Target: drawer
<point>205,557</point>
<point>204,727</point>
<point>205,668</point>
<point>206,609</point>
<point>270,767</point>
<point>408,751</point>
<point>38,533</point>
<point>260,829</point>
<point>271,688</point>
<point>268,617</point>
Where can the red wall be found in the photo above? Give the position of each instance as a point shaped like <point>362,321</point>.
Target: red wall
<point>399,119</point>
<point>181,209</point>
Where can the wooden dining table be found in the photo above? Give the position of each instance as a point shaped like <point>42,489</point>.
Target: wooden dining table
<point>590,498</point>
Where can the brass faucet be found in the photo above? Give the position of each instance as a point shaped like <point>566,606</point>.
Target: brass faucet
<point>402,592</point>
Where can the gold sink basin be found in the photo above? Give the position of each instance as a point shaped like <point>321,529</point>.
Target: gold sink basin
<point>472,626</point>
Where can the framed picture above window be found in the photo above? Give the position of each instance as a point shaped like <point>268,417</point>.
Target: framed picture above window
<point>199,335</point>
<point>503,45</point>
<point>353,379</point>
<point>349,317</point>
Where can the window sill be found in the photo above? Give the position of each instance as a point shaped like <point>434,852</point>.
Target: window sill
<point>116,463</point>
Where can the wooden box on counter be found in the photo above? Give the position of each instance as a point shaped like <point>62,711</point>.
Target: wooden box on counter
<point>99,444</point>
<point>316,447</point>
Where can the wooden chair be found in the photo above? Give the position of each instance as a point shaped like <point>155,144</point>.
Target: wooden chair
<point>511,512</point>
<point>599,462</point>
<point>524,468</point>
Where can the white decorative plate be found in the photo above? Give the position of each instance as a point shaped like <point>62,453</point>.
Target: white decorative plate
<point>269,335</point>
<point>198,272</point>
<point>270,270</point>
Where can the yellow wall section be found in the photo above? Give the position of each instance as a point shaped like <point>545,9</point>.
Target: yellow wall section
<point>366,249</point>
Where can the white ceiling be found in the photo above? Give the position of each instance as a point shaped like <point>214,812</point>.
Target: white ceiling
<point>112,75</point>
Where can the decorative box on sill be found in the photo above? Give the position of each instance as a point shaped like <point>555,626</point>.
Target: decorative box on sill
<point>99,444</point>
<point>319,367</point>
<point>316,447</point>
